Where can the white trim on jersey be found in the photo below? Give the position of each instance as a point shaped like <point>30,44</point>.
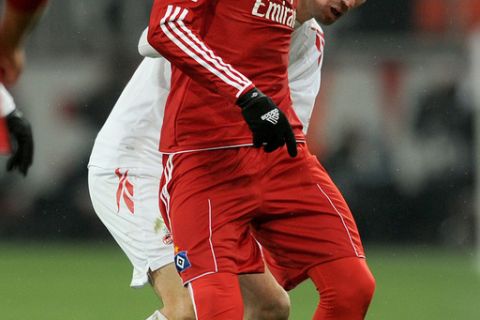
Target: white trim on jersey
<point>7,105</point>
<point>189,281</point>
<point>343,221</point>
<point>219,148</point>
<point>192,296</point>
<point>165,195</point>
<point>184,39</point>
<point>211,233</point>
<point>240,77</point>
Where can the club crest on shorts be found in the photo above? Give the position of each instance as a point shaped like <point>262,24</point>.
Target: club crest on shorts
<point>181,261</point>
<point>167,239</point>
<point>161,228</point>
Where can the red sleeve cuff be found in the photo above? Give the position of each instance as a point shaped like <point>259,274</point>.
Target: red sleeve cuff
<point>26,5</point>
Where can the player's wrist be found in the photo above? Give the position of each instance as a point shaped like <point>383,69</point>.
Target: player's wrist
<point>21,132</point>
<point>251,97</point>
<point>14,114</point>
<point>15,120</point>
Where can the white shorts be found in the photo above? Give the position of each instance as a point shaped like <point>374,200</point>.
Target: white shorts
<point>127,202</point>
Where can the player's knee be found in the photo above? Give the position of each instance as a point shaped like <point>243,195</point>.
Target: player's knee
<point>179,314</point>
<point>346,288</point>
<point>355,297</point>
<point>276,309</point>
<point>179,307</point>
<point>367,286</point>
<point>360,292</point>
<point>179,310</point>
<point>281,309</point>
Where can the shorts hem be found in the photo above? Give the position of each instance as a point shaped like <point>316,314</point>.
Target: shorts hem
<point>291,284</point>
<point>186,282</point>
<point>160,263</point>
<point>140,282</point>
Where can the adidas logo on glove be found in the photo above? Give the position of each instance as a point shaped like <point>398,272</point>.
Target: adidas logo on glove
<point>271,116</point>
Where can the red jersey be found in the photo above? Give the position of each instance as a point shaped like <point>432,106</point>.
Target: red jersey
<point>26,5</point>
<point>220,49</point>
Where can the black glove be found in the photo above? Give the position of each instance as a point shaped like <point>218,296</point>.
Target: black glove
<point>269,125</point>
<point>22,142</point>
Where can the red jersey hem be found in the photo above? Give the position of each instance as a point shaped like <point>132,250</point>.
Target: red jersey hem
<point>180,150</point>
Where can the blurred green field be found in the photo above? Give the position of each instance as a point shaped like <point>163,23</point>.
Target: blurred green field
<point>90,282</point>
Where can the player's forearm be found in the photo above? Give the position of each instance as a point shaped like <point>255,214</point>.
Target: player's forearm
<point>173,34</point>
<point>18,18</point>
<point>30,6</point>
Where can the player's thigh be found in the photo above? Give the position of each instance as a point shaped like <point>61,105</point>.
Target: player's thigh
<point>306,220</point>
<point>208,241</point>
<point>127,204</point>
<point>207,211</point>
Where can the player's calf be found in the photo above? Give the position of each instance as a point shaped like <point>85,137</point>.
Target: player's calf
<point>263,297</point>
<point>175,297</point>
<point>278,310</point>
<point>346,288</point>
<point>180,313</point>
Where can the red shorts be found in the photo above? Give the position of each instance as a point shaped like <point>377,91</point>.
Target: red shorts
<point>219,203</point>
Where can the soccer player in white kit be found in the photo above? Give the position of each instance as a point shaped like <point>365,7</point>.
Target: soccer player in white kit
<point>125,170</point>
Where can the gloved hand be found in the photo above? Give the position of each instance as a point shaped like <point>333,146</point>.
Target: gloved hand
<point>22,142</point>
<point>269,125</point>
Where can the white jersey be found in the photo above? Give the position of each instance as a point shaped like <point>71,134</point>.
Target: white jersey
<point>7,105</point>
<point>130,137</point>
<point>304,69</point>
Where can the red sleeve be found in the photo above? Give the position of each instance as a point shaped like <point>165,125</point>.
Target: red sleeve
<point>174,32</point>
<point>26,5</point>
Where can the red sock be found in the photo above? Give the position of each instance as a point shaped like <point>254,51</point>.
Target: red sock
<point>217,296</point>
<point>346,288</point>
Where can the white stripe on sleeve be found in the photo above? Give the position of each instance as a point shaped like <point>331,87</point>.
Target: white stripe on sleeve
<point>170,24</point>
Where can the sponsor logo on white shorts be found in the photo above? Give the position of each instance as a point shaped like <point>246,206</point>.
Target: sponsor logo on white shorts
<point>125,191</point>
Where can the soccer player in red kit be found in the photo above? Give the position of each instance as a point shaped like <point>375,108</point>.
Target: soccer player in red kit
<point>18,17</point>
<point>14,129</point>
<point>220,192</point>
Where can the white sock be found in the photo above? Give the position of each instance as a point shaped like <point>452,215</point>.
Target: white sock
<point>157,315</point>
